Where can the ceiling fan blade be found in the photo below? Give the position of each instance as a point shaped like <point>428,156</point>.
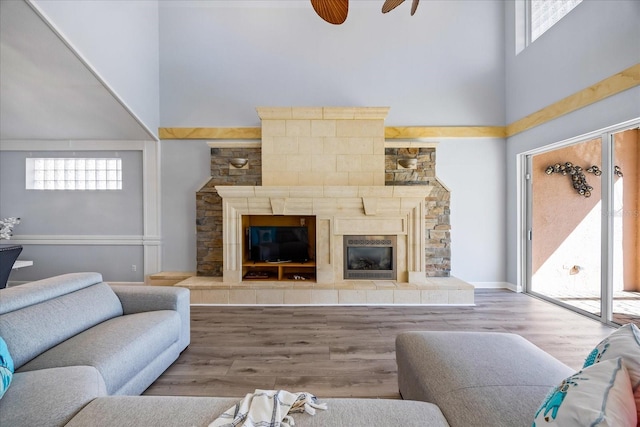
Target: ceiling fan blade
<point>333,11</point>
<point>414,6</point>
<point>389,5</point>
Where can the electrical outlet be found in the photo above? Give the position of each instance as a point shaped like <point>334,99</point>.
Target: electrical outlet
<point>134,267</point>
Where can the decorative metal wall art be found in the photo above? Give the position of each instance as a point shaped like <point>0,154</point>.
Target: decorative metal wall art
<point>578,179</point>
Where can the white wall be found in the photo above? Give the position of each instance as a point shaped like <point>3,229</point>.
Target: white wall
<point>70,231</point>
<point>443,66</point>
<point>473,169</point>
<point>119,40</point>
<point>72,212</point>
<point>185,169</point>
<point>596,40</point>
<point>219,60</point>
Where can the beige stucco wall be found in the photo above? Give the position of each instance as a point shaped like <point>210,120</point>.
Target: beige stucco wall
<point>323,145</point>
<point>627,156</point>
<point>557,207</point>
<point>558,210</point>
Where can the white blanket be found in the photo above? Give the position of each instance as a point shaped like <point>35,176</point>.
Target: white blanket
<point>268,408</point>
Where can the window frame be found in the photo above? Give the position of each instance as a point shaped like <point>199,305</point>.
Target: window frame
<point>73,173</point>
<point>524,23</point>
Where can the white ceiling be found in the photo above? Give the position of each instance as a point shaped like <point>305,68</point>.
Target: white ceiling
<point>218,60</point>
<point>47,92</point>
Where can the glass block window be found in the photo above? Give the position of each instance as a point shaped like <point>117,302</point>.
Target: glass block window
<point>545,13</point>
<point>73,174</point>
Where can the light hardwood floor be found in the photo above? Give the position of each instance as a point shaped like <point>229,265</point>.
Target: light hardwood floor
<point>341,351</point>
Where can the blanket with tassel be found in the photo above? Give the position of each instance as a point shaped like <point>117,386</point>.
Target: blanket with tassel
<point>268,408</point>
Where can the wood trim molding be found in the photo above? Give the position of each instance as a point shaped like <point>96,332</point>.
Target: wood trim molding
<point>391,132</point>
<point>211,133</point>
<point>612,85</point>
<point>408,132</point>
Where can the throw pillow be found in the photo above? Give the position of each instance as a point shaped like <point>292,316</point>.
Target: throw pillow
<point>598,395</point>
<point>6,367</point>
<point>623,342</point>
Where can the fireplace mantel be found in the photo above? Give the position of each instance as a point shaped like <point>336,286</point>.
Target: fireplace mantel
<point>339,210</point>
<point>334,164</point>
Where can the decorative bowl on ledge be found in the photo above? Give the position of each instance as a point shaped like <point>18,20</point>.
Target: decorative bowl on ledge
<point>238,162</point>
<point>408,163</point>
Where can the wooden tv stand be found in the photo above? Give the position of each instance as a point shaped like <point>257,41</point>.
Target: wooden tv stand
<point>307,268</point>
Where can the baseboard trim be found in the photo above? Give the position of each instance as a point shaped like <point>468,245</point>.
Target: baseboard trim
<point>497,285</point>
<point>514,288</point>
<point>491,285</point>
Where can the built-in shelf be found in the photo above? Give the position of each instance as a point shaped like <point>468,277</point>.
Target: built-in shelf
<point>281,271</point>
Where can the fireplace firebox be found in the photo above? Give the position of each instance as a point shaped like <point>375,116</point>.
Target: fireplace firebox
<point>370,257</point>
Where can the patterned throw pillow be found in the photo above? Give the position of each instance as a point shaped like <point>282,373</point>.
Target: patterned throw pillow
<point>6,367</point>
<point>598,395</point>
<point>625,343</point>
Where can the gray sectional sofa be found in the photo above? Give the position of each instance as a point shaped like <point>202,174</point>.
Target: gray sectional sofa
<point>84,350</point>
<point>164,411</point>
<point>73,338</point>
<point>477,378</point>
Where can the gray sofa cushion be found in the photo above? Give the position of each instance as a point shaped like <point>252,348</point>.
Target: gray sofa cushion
<point>477,379</point>
<point>136,299</point>
<point>49,397</point>
<point>144,378</point>
<point>119,348</point>
<point>32,293</point>
<point>163,411</point>
<point>35,325</point>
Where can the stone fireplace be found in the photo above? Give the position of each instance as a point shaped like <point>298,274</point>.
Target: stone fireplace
<point>331,164</point>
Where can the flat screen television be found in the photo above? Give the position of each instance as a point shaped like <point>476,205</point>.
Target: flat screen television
<point>278,243</point>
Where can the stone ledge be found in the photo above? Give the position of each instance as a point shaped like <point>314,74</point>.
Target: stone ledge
<point>168,278</point>
<point>436,291</point>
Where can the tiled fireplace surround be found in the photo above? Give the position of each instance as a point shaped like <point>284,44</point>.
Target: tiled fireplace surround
<point>332,163</point>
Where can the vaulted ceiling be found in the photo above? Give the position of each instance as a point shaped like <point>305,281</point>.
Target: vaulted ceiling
<point>47,92</point>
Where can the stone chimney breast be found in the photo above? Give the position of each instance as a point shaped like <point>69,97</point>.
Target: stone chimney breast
<point>304,146</point>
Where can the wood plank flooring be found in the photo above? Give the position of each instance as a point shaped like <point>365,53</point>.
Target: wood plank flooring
<point>338,351</point>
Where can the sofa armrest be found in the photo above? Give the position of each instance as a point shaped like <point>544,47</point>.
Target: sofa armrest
<point>50,397</point>
<point>137,299</point>
<point>477,378</point>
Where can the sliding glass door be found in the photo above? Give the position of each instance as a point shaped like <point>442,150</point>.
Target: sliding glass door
<point>625,226</point>
<point>582,241</point>
<point>566,225</point>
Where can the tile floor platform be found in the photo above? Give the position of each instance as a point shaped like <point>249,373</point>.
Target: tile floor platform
<point>625,309</point>
<point>437,291</point>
